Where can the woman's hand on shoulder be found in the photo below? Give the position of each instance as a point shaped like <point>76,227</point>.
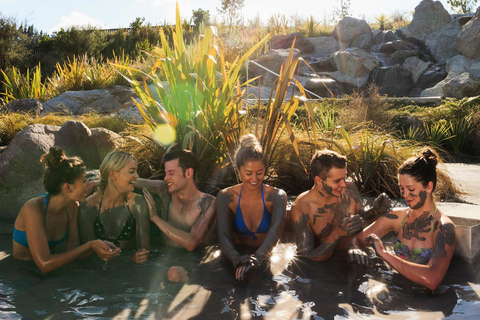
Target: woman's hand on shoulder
<point>152,207</point>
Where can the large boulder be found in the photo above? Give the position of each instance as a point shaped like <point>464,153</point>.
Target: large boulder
<point>463,85</point>
<point>21,172</point>
<point>324,46</point>
<point>441,43</point>
<point>380,36</point>
<point>429,16</point>
<point>302,43</point>
<point>272,60</point>
<point>354,66</point>
<point>468,41</point>
<point>416,67</point>
<point>25,106</point>
<point>393,81</point>
<point>348,29</point>
<point>99,100</point>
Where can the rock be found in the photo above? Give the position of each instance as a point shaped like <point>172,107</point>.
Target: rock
<point>393,81</point>
<point>302,43</point>
<point>416,67</point>
<point>430,77</point>
<point>384,36</point>
<point>350,28</point>
<point>272,60</point>
<point>324,46</point>
<point>442,42</point>
<point>354,66</point>
<point>460,64</point>
<point>322,65</point>
<point>99,100</point>
<point>21,173</point>
<point>399,57</point>
<point>429,16</point>
<point>177,274</point>
<point>393,46</point>
<point>25,106</point>
<point>468,40</point>
<point>363,41</point>
<point>463,85</point>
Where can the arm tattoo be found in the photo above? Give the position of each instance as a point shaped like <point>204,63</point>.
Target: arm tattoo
<point>446,236</point>
<point>421,224</point>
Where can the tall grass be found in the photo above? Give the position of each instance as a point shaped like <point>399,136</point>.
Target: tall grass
<point>18,86</point>
<point>201,108</point>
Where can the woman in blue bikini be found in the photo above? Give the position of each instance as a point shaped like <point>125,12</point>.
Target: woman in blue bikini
<point>114,212</point>
<point>250,213</point>
<point>425,236</point>
<point>47,221</point>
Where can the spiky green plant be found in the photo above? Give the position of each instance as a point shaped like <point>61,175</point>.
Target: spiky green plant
<point>436,133</point>
<point>459,132</point>
<point>200,104</point>
<point>19,86</point>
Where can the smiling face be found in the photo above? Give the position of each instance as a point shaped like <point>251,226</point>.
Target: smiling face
<point>79,188</point>
<point>335,184</point>
<point>252,174</point>
<point>124,179</point>
<point>175,178</point>
<point>414,193</point>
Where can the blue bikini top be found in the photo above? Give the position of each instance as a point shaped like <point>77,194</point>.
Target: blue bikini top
<point>239,225</point>
<point>20,236</point>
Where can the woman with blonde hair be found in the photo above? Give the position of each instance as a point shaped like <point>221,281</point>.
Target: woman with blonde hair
<point>425,239</point>
<point>250,213</point>
<point>49,220</point>
<point>114,212</point>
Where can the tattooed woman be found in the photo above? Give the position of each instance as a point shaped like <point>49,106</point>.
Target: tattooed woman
<point>114,212</point>
<point>47,221</point>
<point>425,236</point>
<point>251,213</point>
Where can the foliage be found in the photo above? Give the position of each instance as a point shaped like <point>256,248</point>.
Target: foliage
<point>200,16</point>
<point>277,24</point>
<point>230,11</point>
<point>436,133</point>
<point>201,107</point>
<point>382,19</point>
<point>341,11</point>
<point>18,86</point>
<point>460,133</point>
<point>462,6</point>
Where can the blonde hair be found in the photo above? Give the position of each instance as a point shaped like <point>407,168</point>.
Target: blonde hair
<point>248,150</point>
<point>115,161</point>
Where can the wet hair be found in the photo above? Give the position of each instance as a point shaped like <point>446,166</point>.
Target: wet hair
<point>249,150</point>
<point>324,160</point>
<point>422,168</point>
<point>60,169</point>
<point>115,161</point>
<point>186,158</point>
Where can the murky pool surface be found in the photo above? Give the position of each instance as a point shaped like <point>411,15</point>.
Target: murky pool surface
<point>286,288</point>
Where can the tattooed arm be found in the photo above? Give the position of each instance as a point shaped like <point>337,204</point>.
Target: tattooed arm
<point>201,226</point>
<point>279,199</point>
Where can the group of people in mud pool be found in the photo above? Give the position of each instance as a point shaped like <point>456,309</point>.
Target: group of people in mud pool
<point>328,217</point>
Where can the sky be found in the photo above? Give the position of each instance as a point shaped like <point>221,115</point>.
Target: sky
<point>52,15</point>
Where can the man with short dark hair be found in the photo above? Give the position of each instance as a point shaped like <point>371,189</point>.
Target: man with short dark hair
<point>331,212</point>
<point>187,215</point>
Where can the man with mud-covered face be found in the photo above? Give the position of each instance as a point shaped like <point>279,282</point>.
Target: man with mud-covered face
<point>187,215</point>
<point>326,216</point>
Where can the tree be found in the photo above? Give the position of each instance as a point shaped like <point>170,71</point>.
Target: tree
<point>200,16</point>
<point>462,6</point>
<point>231,11</point>
<point>341,11</point>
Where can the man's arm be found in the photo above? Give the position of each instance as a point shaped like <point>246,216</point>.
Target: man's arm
<point>153,186</point>
<point>381,205</point>
<point>203,223</point>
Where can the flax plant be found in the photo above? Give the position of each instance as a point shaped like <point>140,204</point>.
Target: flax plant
<point>201,107</point>
<point>18,86</point>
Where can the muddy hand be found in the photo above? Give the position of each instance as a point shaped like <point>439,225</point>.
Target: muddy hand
<point>358,255</point>
<point>140,256</point>
<point>382,204</point>
<point>375,242</point>
<point>353,224</point>
<point>152,207</point>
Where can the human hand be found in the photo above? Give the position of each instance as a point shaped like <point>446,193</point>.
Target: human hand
<point>245,259</point>
<point>356,254</point>
<point>376,243</point>
<point>140,256</point>
<point>242,270</point>
<point>105,250</point>
<point>382,204</point>
<point>91,185</point>
<point>352,224</point>
<point>152,207</point>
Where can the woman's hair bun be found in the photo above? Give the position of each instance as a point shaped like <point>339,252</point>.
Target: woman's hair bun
<point>249,141</point>
<point>53,157</point>
<point>430,156</point>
